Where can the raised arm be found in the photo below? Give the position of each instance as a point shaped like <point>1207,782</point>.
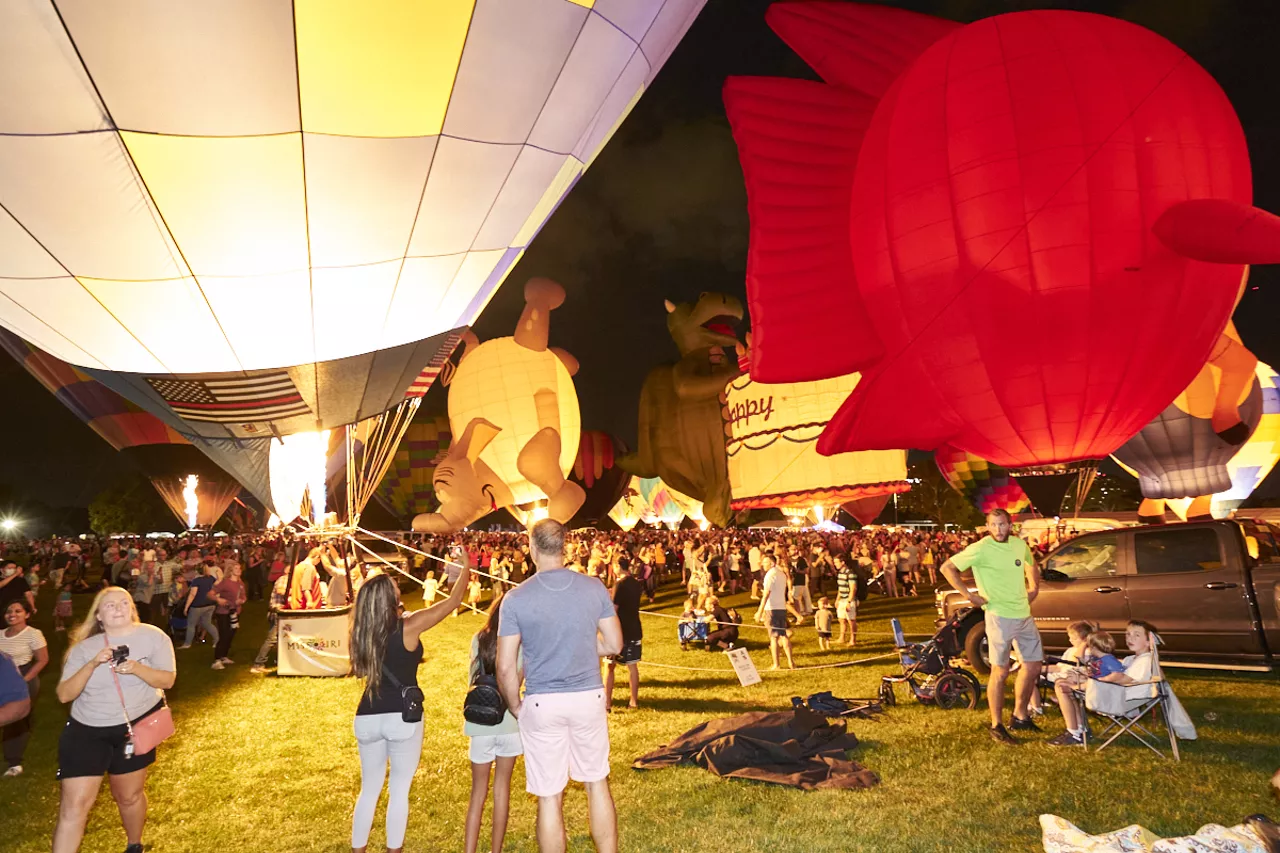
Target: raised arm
<point>423,620</point>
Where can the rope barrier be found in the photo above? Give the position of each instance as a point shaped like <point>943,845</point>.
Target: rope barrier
<point>780,671</point>
<point>766,627</point>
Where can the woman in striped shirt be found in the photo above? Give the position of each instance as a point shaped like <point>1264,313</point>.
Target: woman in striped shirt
<point>28,649</point>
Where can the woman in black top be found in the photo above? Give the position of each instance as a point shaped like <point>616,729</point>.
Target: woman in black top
<point>385,652</point>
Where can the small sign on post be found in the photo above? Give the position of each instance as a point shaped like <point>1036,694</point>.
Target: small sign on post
<point>744,666</point>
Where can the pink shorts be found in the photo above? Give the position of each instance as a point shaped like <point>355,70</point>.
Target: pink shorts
<point>565,735</point>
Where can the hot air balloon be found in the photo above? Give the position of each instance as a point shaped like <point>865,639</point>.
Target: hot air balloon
<point>984,484</point>
<point>406,488</point>
<point>630,509</point>
<point>1180,454</point>
<point>1027,233</point>
<point>515,422</point>
<point>164,456</point>
<point>659,507</point>
<point>772,442</point>
<point>262,218</point>
<point>1243,472</point>
<point>596,470</point>
<point>867,510</point>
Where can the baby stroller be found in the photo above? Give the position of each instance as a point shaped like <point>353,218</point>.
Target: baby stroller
<point>692,632</point>
<point>927,666</point>
<point>177,624</point>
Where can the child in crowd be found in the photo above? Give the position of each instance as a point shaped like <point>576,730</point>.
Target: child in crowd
<point>62,612</point>
<point>1099,658</point>
<point>822,621</point>
<point>1077,634</point>
<point>33,577</point>
<point>494,749</point>
<point>473,593</point>
<point>429,589</point>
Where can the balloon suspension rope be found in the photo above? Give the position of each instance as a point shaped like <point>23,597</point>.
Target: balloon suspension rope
<point>396,568</point>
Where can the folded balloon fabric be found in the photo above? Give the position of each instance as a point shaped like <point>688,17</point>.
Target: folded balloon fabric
<point>797,748</point>
<point>1062,836</point>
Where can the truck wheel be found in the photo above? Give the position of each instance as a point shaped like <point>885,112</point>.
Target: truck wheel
<point>975,649</point>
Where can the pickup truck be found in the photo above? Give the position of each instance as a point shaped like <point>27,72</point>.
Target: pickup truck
<point>1211,589</point>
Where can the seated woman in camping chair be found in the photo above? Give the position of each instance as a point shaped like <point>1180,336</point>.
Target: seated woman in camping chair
<point>1133,674</point>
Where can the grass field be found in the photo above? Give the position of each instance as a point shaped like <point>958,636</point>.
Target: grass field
<point>270,764</point>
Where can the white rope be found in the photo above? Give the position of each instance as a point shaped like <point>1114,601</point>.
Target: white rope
<point>796,669</point>
<point>766,627</point>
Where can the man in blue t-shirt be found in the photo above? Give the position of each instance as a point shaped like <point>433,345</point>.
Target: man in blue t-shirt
<point>563,622</point>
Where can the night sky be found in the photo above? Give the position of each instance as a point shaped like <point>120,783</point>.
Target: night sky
<point>662,214</point>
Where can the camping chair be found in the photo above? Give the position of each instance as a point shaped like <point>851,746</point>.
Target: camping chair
<point>1132,716</point>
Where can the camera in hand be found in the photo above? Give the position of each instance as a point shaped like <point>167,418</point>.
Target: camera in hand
<point>119,655</point>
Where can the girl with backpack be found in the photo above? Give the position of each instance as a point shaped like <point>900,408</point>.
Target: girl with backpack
<point>490,744</point>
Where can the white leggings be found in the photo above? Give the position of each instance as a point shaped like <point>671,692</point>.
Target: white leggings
<point>382,737</point>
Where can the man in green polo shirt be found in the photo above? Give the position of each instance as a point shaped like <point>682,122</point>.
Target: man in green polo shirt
<point>1007,582</point>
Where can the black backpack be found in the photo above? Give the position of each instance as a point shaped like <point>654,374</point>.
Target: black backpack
<point>484,705</point>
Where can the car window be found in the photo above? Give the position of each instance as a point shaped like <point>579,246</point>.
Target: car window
<point>1094,557</point>
<point>1163,552</point>
<point>1268,551</point>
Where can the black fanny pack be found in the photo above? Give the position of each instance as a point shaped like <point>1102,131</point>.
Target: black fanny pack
<point>410,698</point>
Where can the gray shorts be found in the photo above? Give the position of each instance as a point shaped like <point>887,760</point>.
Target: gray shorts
<point>1020,634</point>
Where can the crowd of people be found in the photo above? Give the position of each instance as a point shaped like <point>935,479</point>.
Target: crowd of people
<point>539,648</point>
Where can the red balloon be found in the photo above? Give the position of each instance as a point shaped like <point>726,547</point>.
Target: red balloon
<point>966,214</point>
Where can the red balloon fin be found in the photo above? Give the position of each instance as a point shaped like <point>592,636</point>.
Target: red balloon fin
<point>1220,231</point>
<point>856,46</point>
<point>890,409</point>
<point>798,143</point>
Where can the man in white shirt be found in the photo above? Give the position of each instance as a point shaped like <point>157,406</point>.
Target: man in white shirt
<point>774,600</point>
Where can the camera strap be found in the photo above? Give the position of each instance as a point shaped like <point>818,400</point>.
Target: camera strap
<point>124,708</point>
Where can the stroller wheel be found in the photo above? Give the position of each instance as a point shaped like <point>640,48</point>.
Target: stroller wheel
<point>972,679</point>
<point>887,698</point>
<point>954,691</point>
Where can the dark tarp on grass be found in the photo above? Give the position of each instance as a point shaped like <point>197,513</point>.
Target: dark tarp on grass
<point>796,748</point>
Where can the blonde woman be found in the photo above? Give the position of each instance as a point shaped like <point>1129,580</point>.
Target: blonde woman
<point>95,739</point>
<point>385,651</point>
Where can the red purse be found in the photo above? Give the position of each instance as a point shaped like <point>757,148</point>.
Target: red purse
<point>152,729</point>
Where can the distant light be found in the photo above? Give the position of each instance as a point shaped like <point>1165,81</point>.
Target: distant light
<point>9,523</point>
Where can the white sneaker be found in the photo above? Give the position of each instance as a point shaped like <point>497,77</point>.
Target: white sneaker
<point>227,660</point>
<point>218,665</point>
<point>258,669</point>
<point>15,770</point>
<point>185,646</point>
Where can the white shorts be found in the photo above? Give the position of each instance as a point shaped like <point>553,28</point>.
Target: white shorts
<point>1003,635</point>
<point>485,748</point>
<point>846,609</point>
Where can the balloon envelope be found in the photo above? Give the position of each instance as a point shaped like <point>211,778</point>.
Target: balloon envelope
<point>159,451</point>
<point>406,489</point>
<point>597,471</point>
<point>977,234</point>
<point>1178,454</point>
<point>986,485</point>
<point>191,188</point>
<point>772,447</point>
